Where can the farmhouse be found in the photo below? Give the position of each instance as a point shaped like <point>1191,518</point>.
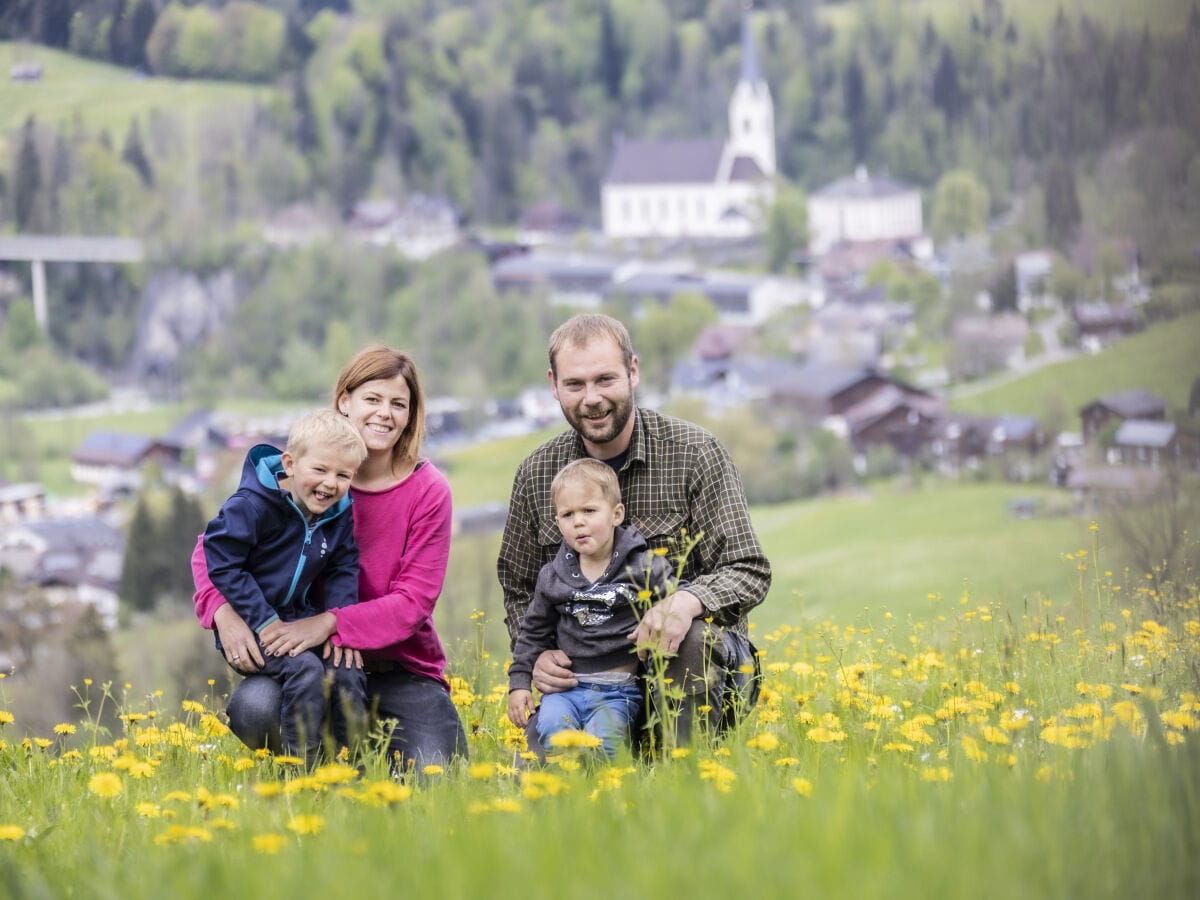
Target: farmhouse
<point>1132,404</point>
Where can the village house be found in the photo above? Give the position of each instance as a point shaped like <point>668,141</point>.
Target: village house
<point>1157,444</point>
<point>69,559</point>
<point>1101,324</point>
<point>1131,404</point>
<point>19,502</point>
<point>419,226</point>
<point>866,209</point>
<point>963,441</point>
<point>114,460</point>
<point>985,344</point>
<point>699,187</point>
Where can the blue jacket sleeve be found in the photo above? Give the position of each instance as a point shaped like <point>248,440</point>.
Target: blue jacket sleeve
<point>228,540</point>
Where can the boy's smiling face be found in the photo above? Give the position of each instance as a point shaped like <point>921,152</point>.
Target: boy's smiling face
<point>319,478</point>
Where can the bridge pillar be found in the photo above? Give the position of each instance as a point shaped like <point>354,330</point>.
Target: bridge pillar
<point>39,292</point>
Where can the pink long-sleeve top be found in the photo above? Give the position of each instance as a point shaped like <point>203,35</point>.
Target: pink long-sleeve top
<point>403,536</point>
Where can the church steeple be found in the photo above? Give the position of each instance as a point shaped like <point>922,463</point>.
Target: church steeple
<point>751,111</point>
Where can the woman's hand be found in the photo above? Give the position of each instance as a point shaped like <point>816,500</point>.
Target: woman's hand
<point>237,640</point>
<point>290,638</point>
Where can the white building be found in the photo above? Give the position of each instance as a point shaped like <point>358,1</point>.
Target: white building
<point>863,208</point>
<point>699,188</point>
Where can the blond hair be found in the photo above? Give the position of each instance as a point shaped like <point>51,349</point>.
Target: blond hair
<point>588,471</point>
<point>581,330</point>
<point>325,428</point>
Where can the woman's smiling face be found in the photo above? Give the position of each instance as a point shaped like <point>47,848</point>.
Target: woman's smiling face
<point>379,409</point>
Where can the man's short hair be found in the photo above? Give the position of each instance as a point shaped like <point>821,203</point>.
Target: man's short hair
<point>325,428</point>
<point>588,471</point>
<point>581,330</point>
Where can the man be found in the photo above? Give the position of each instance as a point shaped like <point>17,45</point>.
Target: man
<point>679,485</point>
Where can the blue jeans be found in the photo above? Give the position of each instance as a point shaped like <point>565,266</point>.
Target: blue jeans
<point>428,729</point>
<point>305,682</point>
<point>604,710</point>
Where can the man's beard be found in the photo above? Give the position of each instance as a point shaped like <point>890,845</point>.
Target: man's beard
<point>618,419</point>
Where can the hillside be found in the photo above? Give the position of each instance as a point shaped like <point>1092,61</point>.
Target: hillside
<point>100,96</point>
<point>1163,359</point>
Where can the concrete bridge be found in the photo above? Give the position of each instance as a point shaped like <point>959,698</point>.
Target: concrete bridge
<point>39,249</point>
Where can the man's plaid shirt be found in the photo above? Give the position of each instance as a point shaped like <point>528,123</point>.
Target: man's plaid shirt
<point>677,480</point>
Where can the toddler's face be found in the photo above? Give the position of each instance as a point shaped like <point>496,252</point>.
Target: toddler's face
<point>587,518</point>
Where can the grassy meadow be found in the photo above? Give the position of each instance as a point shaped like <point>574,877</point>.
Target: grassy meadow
<point>962,752</point>
<point>101,96</point>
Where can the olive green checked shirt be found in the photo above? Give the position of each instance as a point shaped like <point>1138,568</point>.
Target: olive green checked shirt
<point>677,480</point>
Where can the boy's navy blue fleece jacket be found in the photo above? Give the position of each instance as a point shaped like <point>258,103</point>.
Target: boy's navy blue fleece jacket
<point>263,555</point>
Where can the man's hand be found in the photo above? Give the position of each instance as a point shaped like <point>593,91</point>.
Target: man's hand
<point>289,638</point>
<point>666,623</point>
<point>552,672</point>
<point>520,707</point>
<point>237,640</point>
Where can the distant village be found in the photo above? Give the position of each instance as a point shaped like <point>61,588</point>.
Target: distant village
<point>690,199</point>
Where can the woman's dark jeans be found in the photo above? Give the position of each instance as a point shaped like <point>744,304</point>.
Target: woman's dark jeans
<point>428,729</point>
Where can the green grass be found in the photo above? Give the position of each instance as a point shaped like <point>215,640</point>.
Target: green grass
<point>923,759</point>
<point>835,557</point>
<point>1164,359</point>
<point>102,96</point>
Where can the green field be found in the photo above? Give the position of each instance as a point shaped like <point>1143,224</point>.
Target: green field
<point>102,96</point>
<point>1163,359</point>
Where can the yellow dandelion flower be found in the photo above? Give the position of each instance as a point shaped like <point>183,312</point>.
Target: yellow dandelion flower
<point>936,773</point>
<point>506,804</point>
<point>994,735</point>
<point>178,797</point>
<point>572,738</point>
<point>42,743</point>
<point>972,750</point>
<point>178,834</point>
<point>148,810</point>
<point>11,832</point>
<point>482,771</point>
<point>786,762</point>
<point>6,718</point>
<point>336,773</point>
<point>268,789</point>
<point>242,763</point>
<point>802,786</point>
<point>384,793</point>
<point>268,844</point>
<point>432,770</point>
<point>306,824</point>
<point>192,706</point>
<point>285,760</point>
<point>766,741</point>
<point>64,728</point>
<point>106,784</point>
<point>680,752</point>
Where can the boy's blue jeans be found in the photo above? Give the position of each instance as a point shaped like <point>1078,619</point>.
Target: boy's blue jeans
<point>607,711</point>
<point>302,682</point>
<point>428,728</point>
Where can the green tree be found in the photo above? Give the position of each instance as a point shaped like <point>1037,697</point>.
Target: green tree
<point>1063,214</point>
<point>960,206</point>
<point>28,180</point>
<point>139,587</point>
<point>664,334</point>
<point>787,227</point>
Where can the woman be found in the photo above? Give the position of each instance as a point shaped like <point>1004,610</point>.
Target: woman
<point>402,519</point>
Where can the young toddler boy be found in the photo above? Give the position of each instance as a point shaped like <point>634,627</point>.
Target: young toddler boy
<point>288,523</point>
<point>587,604</point>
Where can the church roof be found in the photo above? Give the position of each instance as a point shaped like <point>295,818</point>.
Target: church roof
<point>750,70</point>
<point>666,162</point>
<point>744,168</point>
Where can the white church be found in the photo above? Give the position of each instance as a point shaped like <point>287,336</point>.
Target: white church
<point>699,188</point>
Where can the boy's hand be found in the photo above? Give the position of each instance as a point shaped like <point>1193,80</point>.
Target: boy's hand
<point>291,638</point>
<point>520,707</point>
